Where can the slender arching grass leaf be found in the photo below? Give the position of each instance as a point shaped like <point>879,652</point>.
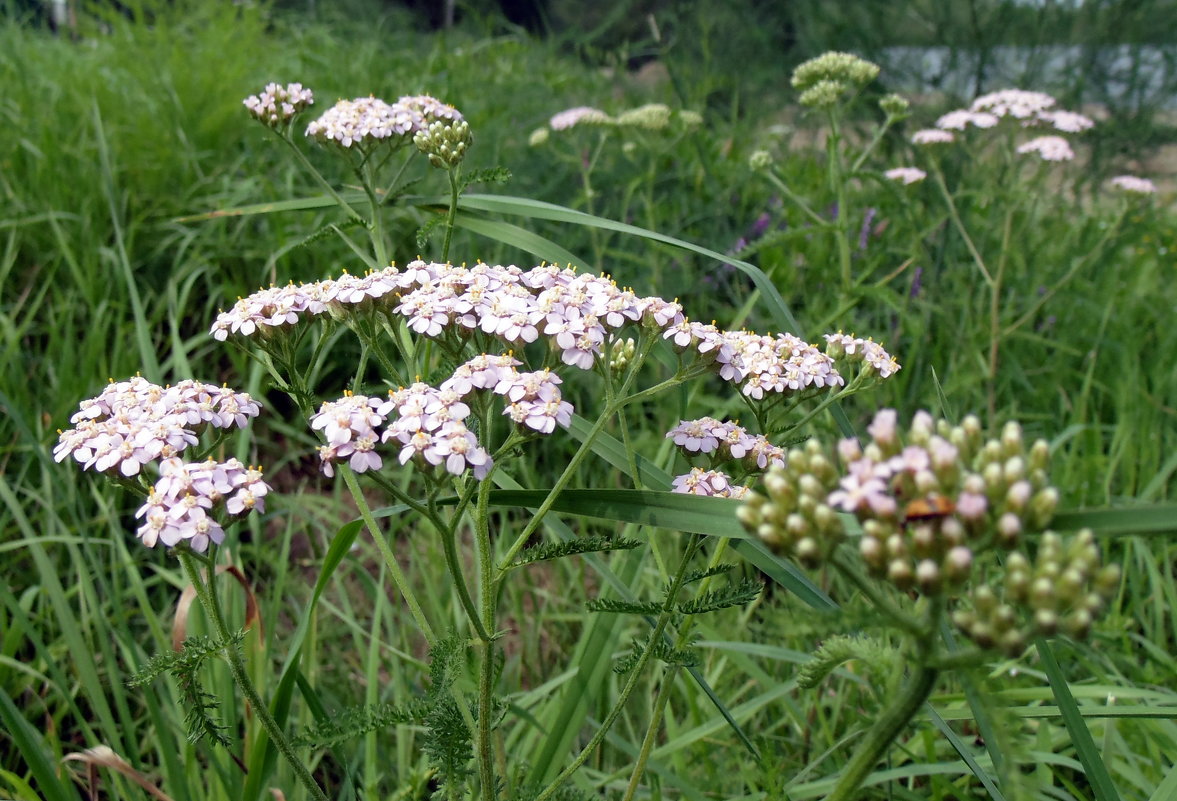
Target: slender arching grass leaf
<point>960,748</point>
<point>513,235</point>
<point>1167,789</point>
<point>539,210</point>
<point>1085,748</point>
<point>30,745</point>
<point>1154,519</point>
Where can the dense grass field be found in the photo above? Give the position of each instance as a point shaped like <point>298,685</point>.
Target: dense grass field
<point>139,198</point>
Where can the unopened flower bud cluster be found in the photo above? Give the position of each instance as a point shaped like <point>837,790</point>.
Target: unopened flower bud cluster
<point>276,105</point>
<point>132,423</point>
<point>1061,591</point>
<point>824,80</point>
<point>929,502</point>
<point>795,515</point>
<point>576,313</point>
<point>368,121</point>
<point>444,143</point>
<point>183,505</point>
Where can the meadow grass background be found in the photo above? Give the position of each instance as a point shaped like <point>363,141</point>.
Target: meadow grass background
<point>114,136</point>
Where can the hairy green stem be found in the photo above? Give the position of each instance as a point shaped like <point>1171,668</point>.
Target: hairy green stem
<point>206,593</point>
<point>455,189</point>
<point>887,728</point>
<point>486,677</point>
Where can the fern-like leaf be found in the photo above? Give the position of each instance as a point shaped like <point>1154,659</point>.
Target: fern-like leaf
<point>426,231</point>
<point>490,175</point>
<point>624,607</point>
<point>841,649</point>
<point>557,550</point>
<point>357,721</point>
<point>739,594</point>
<point>698,575</point>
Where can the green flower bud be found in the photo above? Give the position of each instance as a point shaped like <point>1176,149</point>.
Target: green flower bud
<point>872,552</point>
<point>927,576</point>
<point>823,94</point>
<point>1078,624</point>
<point>1012,643</point>
<point>651,117</point>
<point>1014,469</point>
<point>894,105</point>
<point>538,137</point>
<point>834,66</point>
<point>899,573</point>
<point>1046,622</point>
<point>760,160</point>
<point>1043,506</point>
<point>958,563</point>
<point>1011,439</point>
<point>1039,455</point>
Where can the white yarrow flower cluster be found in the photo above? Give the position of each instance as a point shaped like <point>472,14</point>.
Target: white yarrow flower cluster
<point>1048,148</point>
<point>580,115</point>
<point>906,175</point>
<point>368,120</point>
<point>1131,183</point>
<point>132,423</point>
<point>710,483</point>
<point>1028,108</point>
<point>728,441</point>
<point>183,503</point>
<point>932,136</point>
<point>854,349</point>
<point>278,104</point>
<point>428,423</point>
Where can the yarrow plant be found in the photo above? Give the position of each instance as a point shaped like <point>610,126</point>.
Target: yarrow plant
<point>948,523</point>
<point>463,372</point>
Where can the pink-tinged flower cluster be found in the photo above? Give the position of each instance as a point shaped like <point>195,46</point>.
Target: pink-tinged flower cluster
<point>962,118</point>
<point>182,505</point>
<point>1131,183</point>
<point>1028,108</point>
<point>728,441</point>
<point>932,136</point>
<point>906,175</point>
<point>761,365</point>
<point>855,349</point>
<point>711,483</point>
<point>278,104</point>
<point>428,423</point>
<point>1048,148</point>
<point>132,423</point>
<point>1017,103</point>
<point>572,117</point>
<point>577,314</point>
<point>368,120</point>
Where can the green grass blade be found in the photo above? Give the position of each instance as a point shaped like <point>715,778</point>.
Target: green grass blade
<point>1167,789</point>
<point>31,746</point>
<point>539,210</point>
<point>521,238</point>
<point>1153,519</point>
<point>264,756</point>
<point>1085,748</point>
<point>963,750</point>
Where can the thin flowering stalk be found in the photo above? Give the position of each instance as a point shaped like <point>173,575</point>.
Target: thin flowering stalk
<point>635,675</point>
<point>453,173</point>
<point>394,568</point>
<point>486,672</point>
<point>206,593</point>
<point>664,687</point>
<point>454,565</point>
<point>954,215</point>
<point>581,453</point>
<point>367,176</point>
<point>1078,265</point>
<point>838,185</point>
<point>995,317</point>
<point>319,179</point>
